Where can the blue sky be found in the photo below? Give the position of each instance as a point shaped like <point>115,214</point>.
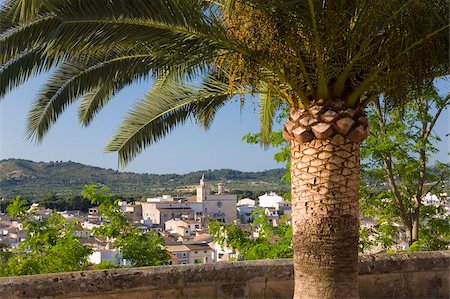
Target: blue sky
<point>188,148</point>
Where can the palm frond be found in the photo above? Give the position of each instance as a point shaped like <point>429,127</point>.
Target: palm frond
<point>93,101</point>
<point>160,111</point>
<point>23,66</point>
<point>74,79</point>
<point>24,37</point>
<point>269,104</point>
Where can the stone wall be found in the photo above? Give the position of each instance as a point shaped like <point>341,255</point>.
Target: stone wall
<point>411,275</point>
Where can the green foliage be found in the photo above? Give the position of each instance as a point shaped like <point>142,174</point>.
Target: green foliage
<point>141,249</point>
<point>271,243</point>
<point>435,230</point>
<point>18,208</point>
<point>106,265</point>
<point>49,247</point>
<point>398,175</point>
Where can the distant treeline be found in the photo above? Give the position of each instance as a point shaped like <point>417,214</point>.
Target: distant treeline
<point>36,180</point>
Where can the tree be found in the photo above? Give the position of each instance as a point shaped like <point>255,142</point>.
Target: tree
<point>271,243</point>
<point>325,59</point>
<point>141,249</point>
<point>50,245</point>
<point>397,153</point>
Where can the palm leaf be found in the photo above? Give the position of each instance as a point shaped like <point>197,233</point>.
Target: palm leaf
<point>161,110</point>
<point>269,104</point>
<point>23,66</point>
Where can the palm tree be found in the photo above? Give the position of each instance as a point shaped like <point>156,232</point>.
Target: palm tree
<point>325,60</point>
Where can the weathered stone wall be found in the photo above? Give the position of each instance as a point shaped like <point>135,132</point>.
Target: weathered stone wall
<point>412,275</point>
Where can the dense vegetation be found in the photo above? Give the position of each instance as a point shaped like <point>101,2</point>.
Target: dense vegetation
<point>272,242</point>
<point>37,180</point>
<point>51,246</point>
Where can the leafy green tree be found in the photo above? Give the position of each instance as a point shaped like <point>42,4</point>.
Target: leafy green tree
<point>50,245</point>
<point>271,243</point>
<point>141,249</point>
<point>397,154</point>
<point>326,60</point>
<point>18,208</point>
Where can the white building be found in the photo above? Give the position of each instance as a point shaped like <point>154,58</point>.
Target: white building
<point>270,200</point>
<point>112,256</point>
<point>246,202</point>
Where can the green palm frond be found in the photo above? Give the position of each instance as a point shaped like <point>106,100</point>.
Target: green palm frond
<point>93,101</point>
<point>74,79</point>
<point>23,10</point>
<point>161,110</point>
<point>24,37</point>
<point>100,80</point>
<point>269,104</point>
<point>27,64</point>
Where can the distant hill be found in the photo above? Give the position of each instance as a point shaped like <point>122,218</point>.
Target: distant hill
<point>35,180</point>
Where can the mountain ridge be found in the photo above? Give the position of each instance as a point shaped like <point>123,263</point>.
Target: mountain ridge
<point>36,179</point>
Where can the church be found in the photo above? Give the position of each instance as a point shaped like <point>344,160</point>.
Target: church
<point>220,206</point>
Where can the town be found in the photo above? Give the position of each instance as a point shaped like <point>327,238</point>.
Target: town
<point>182,222</point>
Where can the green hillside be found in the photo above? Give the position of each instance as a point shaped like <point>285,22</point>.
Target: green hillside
<point>35,180</point>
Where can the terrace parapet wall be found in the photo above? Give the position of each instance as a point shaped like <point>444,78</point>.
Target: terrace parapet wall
<point>408,275</point>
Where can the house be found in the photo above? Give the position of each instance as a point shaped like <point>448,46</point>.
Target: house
<point>183,227</point>
<point>107,255</point>
<point>200,253</point>
<point>283,207</point>
<point>224,253</point>
<point>160,212</point>
<point>181,252</point>
<point>112,256</point>
<point>245,209</point>
<point>246,202</point>
<point>82,232</point>
<point>133,211</point>
<point>269,200</point>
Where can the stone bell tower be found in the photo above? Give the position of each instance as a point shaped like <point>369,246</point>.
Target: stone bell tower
<point>203,190</point>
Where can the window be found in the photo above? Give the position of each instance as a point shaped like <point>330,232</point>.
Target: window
<point>196,251</point>
<point>204,251</point>
<point>184,254</point>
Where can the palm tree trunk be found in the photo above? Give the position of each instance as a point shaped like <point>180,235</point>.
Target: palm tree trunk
<point>325,153</point>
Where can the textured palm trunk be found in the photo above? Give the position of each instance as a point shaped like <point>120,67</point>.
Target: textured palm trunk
<point>325,144</point>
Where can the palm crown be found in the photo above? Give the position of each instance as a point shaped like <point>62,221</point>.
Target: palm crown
<point>202,53</point>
